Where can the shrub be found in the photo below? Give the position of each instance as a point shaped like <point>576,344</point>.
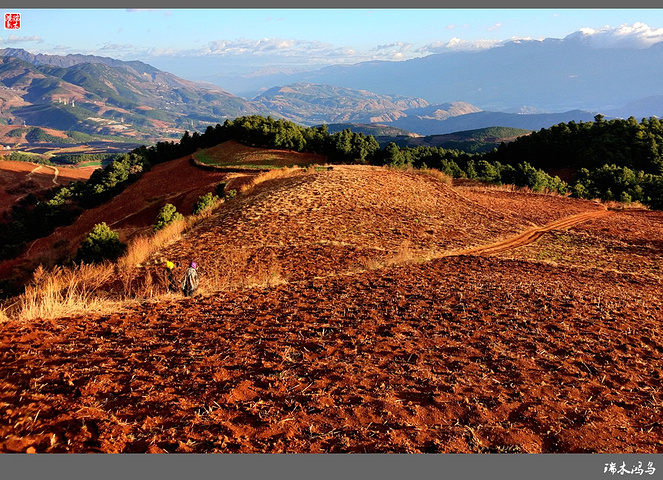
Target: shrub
<point>231,194</point>
<point>168,214</point>
<point>220,189</point>
<point>206,201</point>
<point>101,244</point>
<point>625,198</point>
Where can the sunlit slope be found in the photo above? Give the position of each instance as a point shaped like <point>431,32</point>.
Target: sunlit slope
<point>325,221</point>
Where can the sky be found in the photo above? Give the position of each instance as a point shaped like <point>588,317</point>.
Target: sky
<point>242,41</point>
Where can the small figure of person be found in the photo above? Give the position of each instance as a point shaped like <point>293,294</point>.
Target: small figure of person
<point>190,281</point>
<point>171,283</point>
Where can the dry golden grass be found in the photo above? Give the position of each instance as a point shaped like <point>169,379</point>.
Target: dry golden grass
<point>69,291</point>
<point>614,205</point>
<point>428,172</point>
<point>437,174</point>
<point>509,187</point>
<point>141,248</point>
<point>403,256</point>
<point>64,292</point>
<point>234,269</point>
<point>265,176</point>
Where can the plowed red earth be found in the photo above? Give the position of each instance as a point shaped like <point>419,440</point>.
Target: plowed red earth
<point>464,353</point>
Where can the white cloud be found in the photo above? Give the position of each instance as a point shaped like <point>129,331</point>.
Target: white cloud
<point>274,50</point>
<point>396,45</point>
<point>457,44</point>
<point>286,47</point>
<point>391,51</point>
<point>117,47</point>
<point>495,27</point>
<point>17,39</point>
<point>638,35</point>
<point>515,39</point>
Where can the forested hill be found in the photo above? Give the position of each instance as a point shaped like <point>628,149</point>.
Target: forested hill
<point>479,140</point>
<point>616,159</point>
<point>627,143</point>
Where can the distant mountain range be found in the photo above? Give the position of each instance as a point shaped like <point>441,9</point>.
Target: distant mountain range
<point>551,75</point>
<point>101,95</point>
<point>107,96</point>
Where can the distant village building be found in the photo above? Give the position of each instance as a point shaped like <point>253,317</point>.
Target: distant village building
<point>66,101</point>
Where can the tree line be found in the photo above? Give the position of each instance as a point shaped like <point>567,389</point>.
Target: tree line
<point>618,159</point>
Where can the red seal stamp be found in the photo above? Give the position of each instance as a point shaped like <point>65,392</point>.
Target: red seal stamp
<point>12,21</point>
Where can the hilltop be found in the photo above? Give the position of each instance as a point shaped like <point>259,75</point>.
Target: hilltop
<point>320,223</point>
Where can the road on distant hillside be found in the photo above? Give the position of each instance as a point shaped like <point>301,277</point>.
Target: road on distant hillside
<point>38,167</point>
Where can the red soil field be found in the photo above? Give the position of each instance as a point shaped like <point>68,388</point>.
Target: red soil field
<point>20,178</point>
<point>380,331</point>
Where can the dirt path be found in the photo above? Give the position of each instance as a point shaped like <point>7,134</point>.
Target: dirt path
<point>531,235</point>
<point>56,172</point>
<point>38,167</point>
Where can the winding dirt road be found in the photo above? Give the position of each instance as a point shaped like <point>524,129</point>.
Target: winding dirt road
<point>38,167</point>
<point>531,235</point>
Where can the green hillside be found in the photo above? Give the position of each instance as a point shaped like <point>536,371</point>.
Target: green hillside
<point>481,140</point>
<point>374,129</point>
